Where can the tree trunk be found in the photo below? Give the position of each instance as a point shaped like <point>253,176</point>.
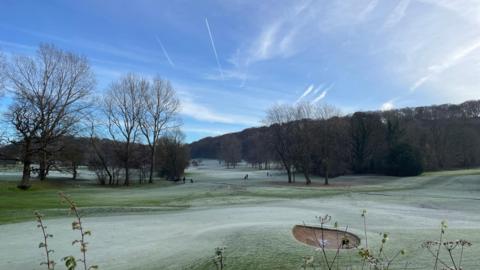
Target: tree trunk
<point>47,171</point>
<point>152,165</point>
<point>127,175</point>
<point>27,162</point>
<point>25,182</point>
<point>289,173</point>
<point>326,170</point>
<point>307,177</point>
<point>127,163</point>
<point>42,172</point>
<point>74,167</point>
<point>288,169</point>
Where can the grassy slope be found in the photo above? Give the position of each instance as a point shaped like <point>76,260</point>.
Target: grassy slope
<point>17,205</point>
<point>409,208</point>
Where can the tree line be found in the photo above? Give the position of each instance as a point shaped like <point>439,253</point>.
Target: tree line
<point>55,120</point>
<point>318,140</point>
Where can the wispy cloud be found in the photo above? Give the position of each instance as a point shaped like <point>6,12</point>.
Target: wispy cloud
<point>466,9</point>
<point>452,60</point>
<point>397,14</point>
<point>17,46</point>
<point>264,44</point>
<point>207,131</point>
<point>420,82</point>
<point>370,7</point>
<point>278,37</point>
<point>164,52</point>
<point>131,53</point>
<point>230,74</point>
<point>204,113</point>
<point>213,47</point>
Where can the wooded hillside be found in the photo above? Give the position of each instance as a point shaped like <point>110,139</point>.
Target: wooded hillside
<point>434,137</point>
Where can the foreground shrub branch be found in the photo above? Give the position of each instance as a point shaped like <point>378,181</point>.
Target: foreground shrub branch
<point>77,225</point>
<point>44,244</point>
<point>70,261</point>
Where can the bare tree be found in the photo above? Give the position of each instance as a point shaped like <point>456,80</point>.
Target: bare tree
<point>307,118</point>
<point>72,154</point>
<point>49,91</point>
<point>294,134</point>
<point>101,158</point>
<point>231,151</point>
<point>293,142</point>
<point>330,131</point>
<point>303,141</point>
<point>278,118</point>
<point>366,133</point>
<point>27,125</point>
<point>257,151</point>
<point>160,105</point>
<point>123,109</point>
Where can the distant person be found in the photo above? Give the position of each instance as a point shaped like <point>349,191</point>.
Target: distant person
<point>183,179</point>
<point>268,174</point>
<point>191,180</point>
<point>245,177</point>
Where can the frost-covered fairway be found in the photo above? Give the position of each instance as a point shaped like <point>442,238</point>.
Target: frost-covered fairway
<point>178,226</point>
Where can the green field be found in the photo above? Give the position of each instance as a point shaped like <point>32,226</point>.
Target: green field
<point>177,226</point>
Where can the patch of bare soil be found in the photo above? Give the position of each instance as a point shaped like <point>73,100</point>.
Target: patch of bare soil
<point>328,238</point>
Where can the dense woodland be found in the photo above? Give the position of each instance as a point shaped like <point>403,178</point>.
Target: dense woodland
<point>318,140</point>
<point>56,121</point>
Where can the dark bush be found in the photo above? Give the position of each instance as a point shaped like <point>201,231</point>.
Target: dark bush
<point>404,160</point>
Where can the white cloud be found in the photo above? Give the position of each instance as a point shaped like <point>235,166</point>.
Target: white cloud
<point>387,106</point>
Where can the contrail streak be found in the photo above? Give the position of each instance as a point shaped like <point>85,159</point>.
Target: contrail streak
<point>165,52</point>
<point>309,89</point>
<point>320,97</point>
<point>213,47</point>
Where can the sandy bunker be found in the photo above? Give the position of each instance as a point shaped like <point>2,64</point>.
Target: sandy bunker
<point>328,238</point>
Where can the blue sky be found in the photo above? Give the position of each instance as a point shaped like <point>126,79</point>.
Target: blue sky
<point>231,60</point>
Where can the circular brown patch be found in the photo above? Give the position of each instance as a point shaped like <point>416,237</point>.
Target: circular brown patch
<point>328,238</point>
